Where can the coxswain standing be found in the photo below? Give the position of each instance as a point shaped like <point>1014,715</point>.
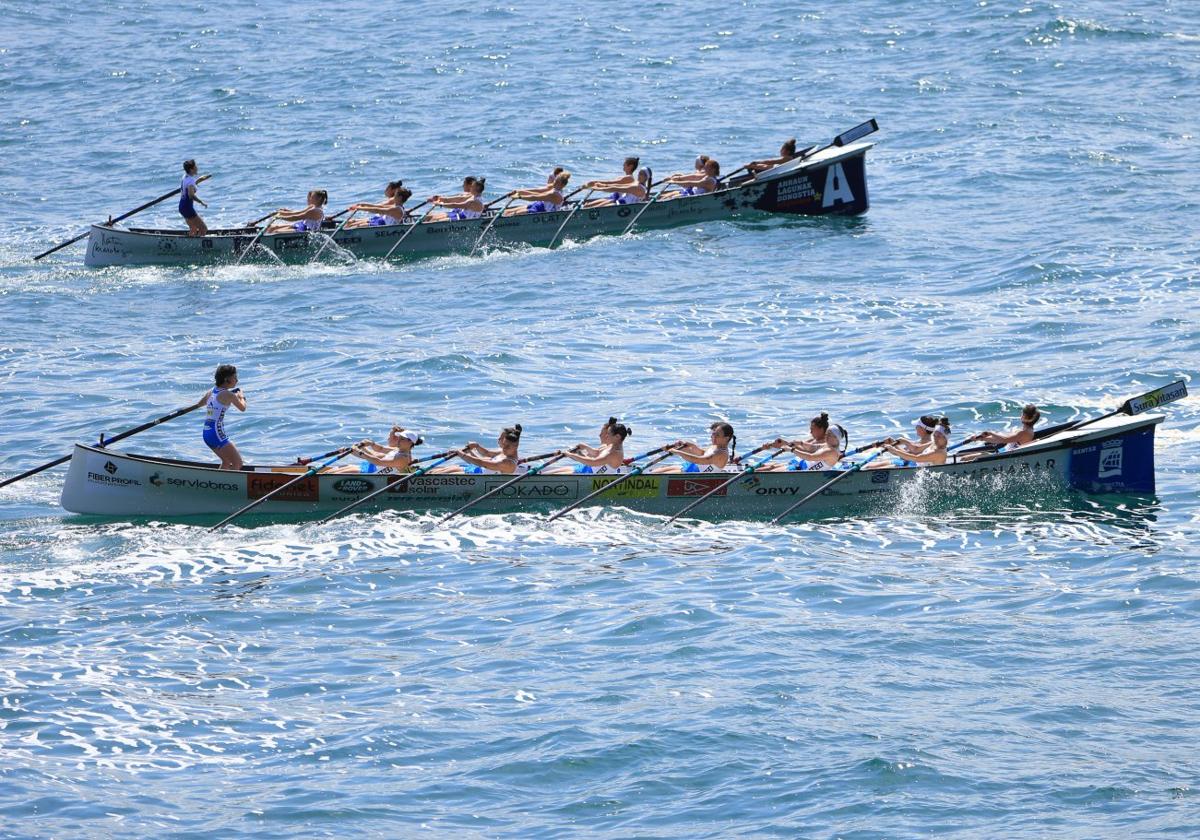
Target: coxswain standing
<point>188,199</point>
<point>224,394</point>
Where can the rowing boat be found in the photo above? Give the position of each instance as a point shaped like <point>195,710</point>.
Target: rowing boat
<point>1111,455</point>
<point>830,181</point>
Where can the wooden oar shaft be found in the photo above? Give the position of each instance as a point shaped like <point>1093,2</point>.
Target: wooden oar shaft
<point>618,482</point>
<point>311,471</point>
<point>120,218</point>
<point>114,439</point>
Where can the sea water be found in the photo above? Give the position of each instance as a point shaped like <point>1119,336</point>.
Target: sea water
<point>1022,665</point>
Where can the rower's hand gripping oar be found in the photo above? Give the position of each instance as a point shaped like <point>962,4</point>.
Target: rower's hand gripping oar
<point>105,442</point>
<point>120,218</point>
<point>617,482</point>
<point>835,479</point>
<point>750,468</point>
<point>553,456</point>
<point>270,217</point>
<point>400,486</point>
<point>404,235</point>
<point>574,210</point>
<point>311,471</point>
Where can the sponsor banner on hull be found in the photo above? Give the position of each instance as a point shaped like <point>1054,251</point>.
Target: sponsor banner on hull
<point>639,487</point>
<point>260,484</point>
<point>103,471</point>
<point>682,487</point>
<point>534,492</point>
<point>441,486</point>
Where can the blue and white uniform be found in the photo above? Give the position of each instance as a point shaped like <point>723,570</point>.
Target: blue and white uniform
<point>310,225</point>
<point>460,215</point>
<point>377,221</point>
<point>186,208</point>
<point>214,420</point>
<point>471,469</point>
<point>586,469</point>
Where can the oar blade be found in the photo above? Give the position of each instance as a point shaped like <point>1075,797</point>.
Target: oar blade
<point>856,133</point>
<point>1155,399</point>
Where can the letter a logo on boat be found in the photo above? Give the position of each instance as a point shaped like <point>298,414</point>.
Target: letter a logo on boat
<point>836,187</point>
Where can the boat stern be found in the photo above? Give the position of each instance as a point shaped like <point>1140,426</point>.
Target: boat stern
<point>1117,460</point>
<point>833,181</point>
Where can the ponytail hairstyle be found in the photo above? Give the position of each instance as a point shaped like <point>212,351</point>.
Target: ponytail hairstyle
<point>512,434</point>
<point>479,185</point>
<point>821,421</point>
<point>943,426</point>
<point>929,421</point>
<point>561,179</point>
<point>189,167</point>
<point>1030,414</point>
<point>727,430</point>
<point>322,197</point>
<point>554,175</point>
<point>845,437</point>
<point>631,164</point>
<point>618,428</point>
<point>648,174</point>
<point>789,148</point>
<point>402,193</point>
<point>701,160</point>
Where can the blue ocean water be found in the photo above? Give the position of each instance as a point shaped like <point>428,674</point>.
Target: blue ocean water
<point>1020,667</point>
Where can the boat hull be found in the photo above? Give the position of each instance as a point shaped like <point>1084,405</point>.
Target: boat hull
<point>832,181</point>
<point>1115,456</point>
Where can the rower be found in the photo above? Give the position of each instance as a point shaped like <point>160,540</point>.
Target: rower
<point>822,450</point>
<point>923,427</point>
<point>188,199</point>
<point>787,152</point>
<point>698,183</point>
<point>628,189</point>
<point>547,199</point>
<point>481,460</point>
<point>396,457</point>
<point>606,459</point>
<point>307,220</point>
<point>934,453</point>
<point>389,212</point>
<point>466,205</point>
<point>1022,436</point>
<point>225,393</point>
<point>712,458</point>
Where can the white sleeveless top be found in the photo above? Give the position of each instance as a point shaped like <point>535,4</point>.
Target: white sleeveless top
<point>214,412</point>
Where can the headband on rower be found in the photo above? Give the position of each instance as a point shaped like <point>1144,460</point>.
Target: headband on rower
<point>413,436</point>
<point>919,424</point>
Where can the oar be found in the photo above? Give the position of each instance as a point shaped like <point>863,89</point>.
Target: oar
<point>731,174</point>
<point>574,209</point>
<point>553,456</point>
<point>268,219</point>
<point>404,235</point>
<point>339,455</point>
<point>105,442</point>
<point>120,218</point>
<point>646,207</point>
<point>387,486</point>
<point>835,479</point>
<point>742,474</point>
<point>634,472</point>
<point>335,233</point>
<point>488,226</point>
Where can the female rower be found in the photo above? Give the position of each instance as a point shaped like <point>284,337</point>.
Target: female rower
<point>217,401</point>
<point>923,426</point>
<point>466,205</point>
<point>481,460</point>
<point>712,458</point>
<point>389,212</point>
<point>699,183</point>
<point>786,152</point>
<point>188,199</point>
<point>933,454</point>
<point>396,457</point>
<point>824,447</point>
<point>547,199</point>
<point>1021,437</point>
<point>606,459</point>
<point>307,220</point>
<point>627,189</point>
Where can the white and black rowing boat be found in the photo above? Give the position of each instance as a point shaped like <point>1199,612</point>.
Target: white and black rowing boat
<point>830,180</point>
<point>1114,454</point>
